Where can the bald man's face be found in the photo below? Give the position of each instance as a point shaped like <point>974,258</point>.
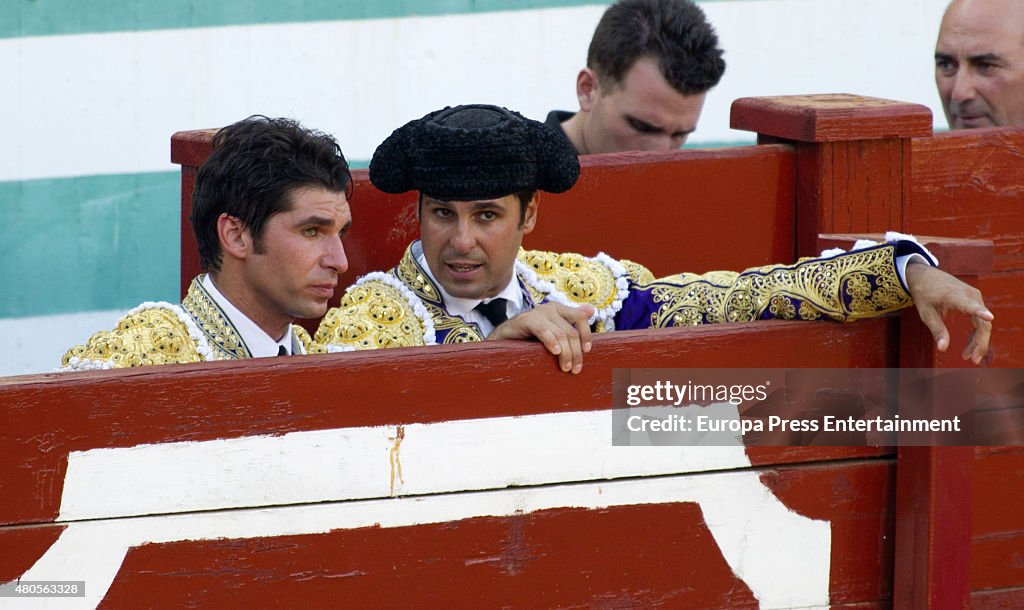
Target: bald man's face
<point>979,63</point>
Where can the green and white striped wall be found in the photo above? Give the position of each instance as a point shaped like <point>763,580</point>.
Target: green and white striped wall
<point>91,92</point>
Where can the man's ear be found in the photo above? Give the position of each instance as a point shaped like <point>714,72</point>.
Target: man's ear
<point>530,215</point>
<point>587,89</point>
<point>235,239</point>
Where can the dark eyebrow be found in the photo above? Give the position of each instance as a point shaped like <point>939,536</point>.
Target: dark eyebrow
<point>652,128</point>
<point>943,57</point>
<point>984,58</point>
<point>317,221</point>
<point>641,124</point>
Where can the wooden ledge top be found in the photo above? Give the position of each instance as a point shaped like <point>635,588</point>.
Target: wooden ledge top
<point>957,256</point>
<point>191,148</point>
<point>830,117</point>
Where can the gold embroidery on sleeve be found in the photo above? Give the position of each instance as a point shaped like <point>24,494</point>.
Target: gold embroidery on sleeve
<point>847,287</point>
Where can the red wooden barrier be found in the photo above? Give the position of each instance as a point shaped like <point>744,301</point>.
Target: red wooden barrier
<point>522,560</point>
<point>971,184</point>
<point>868,167</point>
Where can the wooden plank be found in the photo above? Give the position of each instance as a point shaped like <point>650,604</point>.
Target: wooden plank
<point>849,187</point>
<point>970,183</point>
<point>645,552</point>
<point>189,245</point>
<point>933,505</point>
<point>933,517</point>
<point>191,148</point>
<point>23,546</point>
<point>1003,297</point>
<point>815,168</point>
<point>536,560</point>
<point>957,256</point>
<point>833,117</point>
<point>869,192</point>
<point>52,415</point>
<point>997,556</point>
<point>853,168</point>
<point>669,211</point>
<point>1007,599</point>
<point>858,506</point>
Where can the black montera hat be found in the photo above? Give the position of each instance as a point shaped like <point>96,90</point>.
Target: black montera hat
<point>474,152</point>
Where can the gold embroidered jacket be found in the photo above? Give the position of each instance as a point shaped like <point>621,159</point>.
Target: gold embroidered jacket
<point>161,333</point>
<point>404,308</point>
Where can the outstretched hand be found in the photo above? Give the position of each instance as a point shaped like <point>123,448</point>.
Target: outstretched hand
<point>564,331</point>
<point>935,293</point>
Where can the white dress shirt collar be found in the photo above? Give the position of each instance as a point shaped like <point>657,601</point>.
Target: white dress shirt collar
<point>260,344</point>
<point>466,308</point>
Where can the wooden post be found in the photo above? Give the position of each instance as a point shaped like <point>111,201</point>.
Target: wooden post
<point>189,149</point>
<point>932,567</point>
<point>854,175</point>
<point>852,158</point>
<point>933,484</point>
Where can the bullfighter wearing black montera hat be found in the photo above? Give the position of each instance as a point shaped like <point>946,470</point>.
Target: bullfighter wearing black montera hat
<point>478,170</point>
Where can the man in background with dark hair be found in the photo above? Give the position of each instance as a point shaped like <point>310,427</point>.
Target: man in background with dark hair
<point>269,209</point>
<point>649,68</point>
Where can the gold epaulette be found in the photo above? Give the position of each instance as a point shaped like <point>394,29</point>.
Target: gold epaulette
<point>154,333</point>
<point>375,313</point>
<point>582,280</point>
<point>639,273</point>
<point>311,346</point>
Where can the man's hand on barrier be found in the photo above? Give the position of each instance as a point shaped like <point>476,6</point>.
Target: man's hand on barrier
<point>936,292</point>
<point>564,331</point>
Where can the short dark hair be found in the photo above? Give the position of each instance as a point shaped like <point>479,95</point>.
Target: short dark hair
<point>675,33</point>
<point>256,166</point>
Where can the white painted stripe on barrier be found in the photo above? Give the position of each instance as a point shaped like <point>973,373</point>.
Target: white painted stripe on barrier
<point>783,557</point>
<point>107,103</point>
<point>371,462</point>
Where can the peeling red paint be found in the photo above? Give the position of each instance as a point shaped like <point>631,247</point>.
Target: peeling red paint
<point>395,458</point>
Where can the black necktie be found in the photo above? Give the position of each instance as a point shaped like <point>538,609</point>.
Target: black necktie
<point>281,351</point>
<point>495,311</point>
